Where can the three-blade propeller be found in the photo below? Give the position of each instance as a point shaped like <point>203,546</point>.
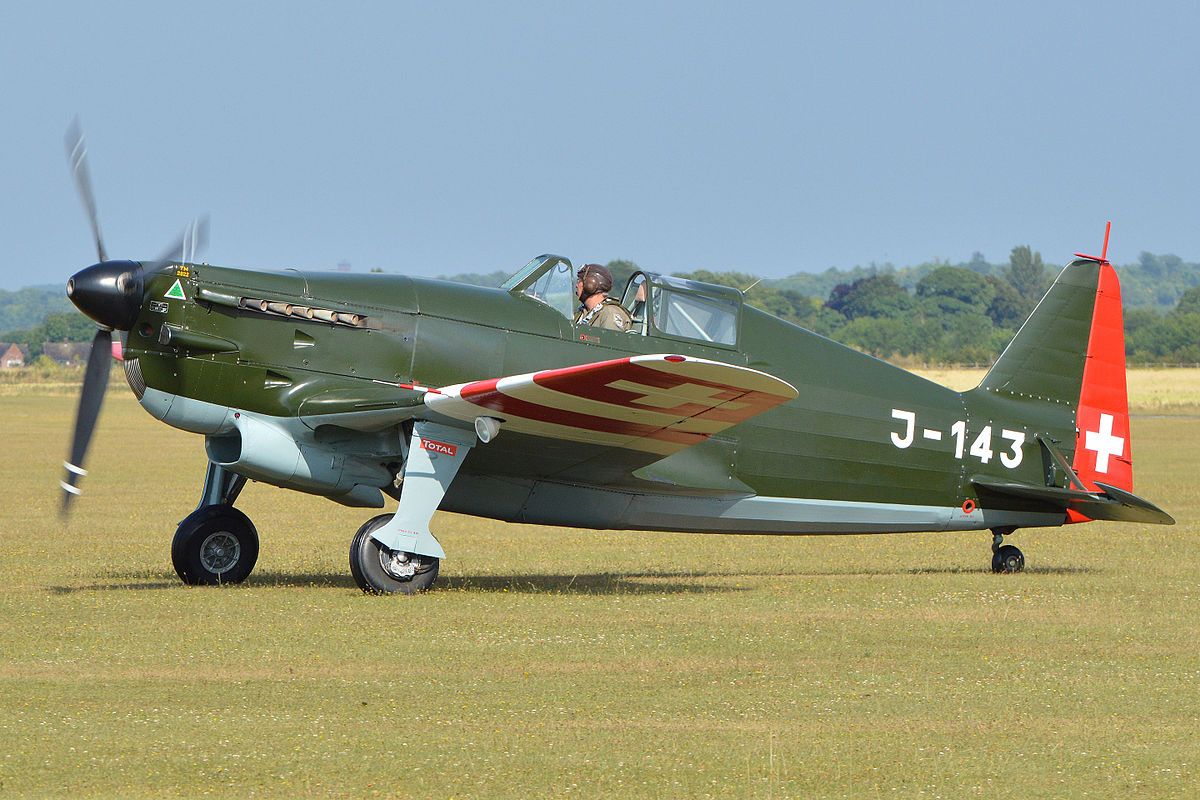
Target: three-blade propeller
<point>111,294</point>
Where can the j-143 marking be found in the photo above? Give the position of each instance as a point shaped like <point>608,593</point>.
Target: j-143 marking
<point>981,448</point>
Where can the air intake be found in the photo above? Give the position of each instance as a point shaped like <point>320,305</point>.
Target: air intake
<point>133,376</point>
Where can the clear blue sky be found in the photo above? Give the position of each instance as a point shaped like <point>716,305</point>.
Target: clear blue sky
<point>439,138</point>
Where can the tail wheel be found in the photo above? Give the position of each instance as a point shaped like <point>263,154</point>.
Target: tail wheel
<point>378,570</point>
<point>213,545</point>
<point>1008,559</point>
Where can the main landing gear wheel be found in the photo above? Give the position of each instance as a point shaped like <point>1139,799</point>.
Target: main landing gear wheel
<point>213,545</point>
<point>378,570</point>
<point>1008,559</point>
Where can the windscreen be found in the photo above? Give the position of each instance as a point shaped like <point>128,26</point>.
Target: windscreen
<point>556,288</point>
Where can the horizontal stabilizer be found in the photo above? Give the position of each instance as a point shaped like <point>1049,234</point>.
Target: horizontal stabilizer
<point>1146,511</point>
<point>1112,503</point>
<point>1049,494</point>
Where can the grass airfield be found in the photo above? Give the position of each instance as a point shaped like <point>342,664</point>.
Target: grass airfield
<point>552,662</point>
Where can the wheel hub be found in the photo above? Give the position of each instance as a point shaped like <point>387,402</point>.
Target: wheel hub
<point>401,566</point>
<point>219,552</point>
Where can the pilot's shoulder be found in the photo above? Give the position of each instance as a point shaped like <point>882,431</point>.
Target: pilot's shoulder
<point>613,314</point>
<point>613,306</point>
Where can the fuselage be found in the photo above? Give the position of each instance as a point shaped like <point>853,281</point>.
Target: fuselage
<point>865,447</point>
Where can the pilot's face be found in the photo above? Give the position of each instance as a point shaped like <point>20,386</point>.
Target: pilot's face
<point>579,289</point>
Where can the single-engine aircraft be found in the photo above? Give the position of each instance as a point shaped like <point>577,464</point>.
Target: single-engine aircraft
<point>708,415</point>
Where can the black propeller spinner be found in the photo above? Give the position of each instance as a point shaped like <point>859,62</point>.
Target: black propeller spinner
<point>111,294</point>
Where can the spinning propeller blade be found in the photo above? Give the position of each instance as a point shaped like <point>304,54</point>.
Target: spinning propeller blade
<point>192,241</point>
<point>95,381</point>
<point>77,158</point>
<point>111,293</point>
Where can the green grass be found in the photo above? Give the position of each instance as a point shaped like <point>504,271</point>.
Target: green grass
<point>553,662</point>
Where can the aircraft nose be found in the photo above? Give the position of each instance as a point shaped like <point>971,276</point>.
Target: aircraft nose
<point>109,292</point>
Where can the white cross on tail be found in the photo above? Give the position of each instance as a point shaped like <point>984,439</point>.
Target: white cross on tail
<point>1103,443</point>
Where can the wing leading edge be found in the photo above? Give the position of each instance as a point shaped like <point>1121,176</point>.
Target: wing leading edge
<point>654,403</point>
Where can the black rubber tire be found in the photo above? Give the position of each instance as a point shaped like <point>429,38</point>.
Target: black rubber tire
<point>366,564</point>
<point>215,528</point>
<point>1008,559</point>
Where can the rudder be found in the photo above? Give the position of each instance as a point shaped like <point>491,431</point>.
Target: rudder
<point>1103,451</point>
<point>1071,350</point>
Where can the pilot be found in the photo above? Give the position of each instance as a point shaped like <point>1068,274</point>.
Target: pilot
<point>592,285</point>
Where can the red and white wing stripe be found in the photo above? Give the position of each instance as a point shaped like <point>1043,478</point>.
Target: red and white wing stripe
<point>656,403</point>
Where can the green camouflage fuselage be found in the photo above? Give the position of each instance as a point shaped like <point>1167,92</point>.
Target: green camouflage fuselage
<point>860,432</point>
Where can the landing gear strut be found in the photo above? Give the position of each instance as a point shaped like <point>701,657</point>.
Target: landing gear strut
<point>216,543</point>
<point>1005,557</point>
<point>397,553</point>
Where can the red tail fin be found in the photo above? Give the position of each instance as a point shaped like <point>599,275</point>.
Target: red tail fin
<point>1102,446</point>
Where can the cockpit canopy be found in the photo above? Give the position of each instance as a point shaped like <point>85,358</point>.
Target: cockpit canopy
<point>684,309</point>
<point>661,305</point>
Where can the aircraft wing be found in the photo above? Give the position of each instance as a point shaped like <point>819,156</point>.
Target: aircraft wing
<point>653,403</point>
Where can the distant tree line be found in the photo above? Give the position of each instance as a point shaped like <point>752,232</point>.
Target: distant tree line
<point>24,308</point>
<point>966,313</point>
<point>935,312</point>
<point>61,326</point>
<point>1170,338</point>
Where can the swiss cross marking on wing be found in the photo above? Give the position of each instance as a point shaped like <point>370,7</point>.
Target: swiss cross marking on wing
<point>1103,443</point>
<point>681,395</point>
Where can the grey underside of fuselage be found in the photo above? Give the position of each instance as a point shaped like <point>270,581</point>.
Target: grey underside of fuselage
<point>545,501</point>
<point>549,503</point>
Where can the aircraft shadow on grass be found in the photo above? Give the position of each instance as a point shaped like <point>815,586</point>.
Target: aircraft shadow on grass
<point>597,584</point>
<point>603,583</point>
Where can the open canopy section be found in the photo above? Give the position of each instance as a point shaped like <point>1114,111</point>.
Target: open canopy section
<point>677,308</point>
